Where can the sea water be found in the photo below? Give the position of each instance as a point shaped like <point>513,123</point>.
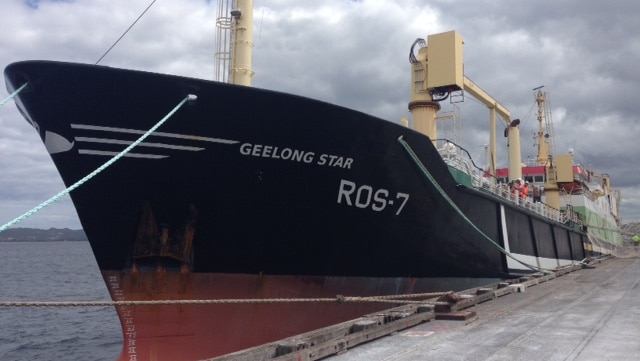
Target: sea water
<point>55,271</point>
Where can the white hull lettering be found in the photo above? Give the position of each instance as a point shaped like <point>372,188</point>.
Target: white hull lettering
<point>380,200</point>
<point>365,197</point>
<point>335,161</point>
<point>269,151</point>
<point>297,155</point>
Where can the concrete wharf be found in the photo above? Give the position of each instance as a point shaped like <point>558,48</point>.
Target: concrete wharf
<point>583,312</point>
<point>588,314</point>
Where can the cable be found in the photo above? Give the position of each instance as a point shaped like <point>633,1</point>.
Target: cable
<point>125,33</point>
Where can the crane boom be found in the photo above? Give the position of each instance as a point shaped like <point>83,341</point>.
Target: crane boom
<point>515,170</point>
<point>486,99</point>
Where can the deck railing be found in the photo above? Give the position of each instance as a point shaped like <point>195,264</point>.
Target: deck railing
<point>457,157</point>
<point>503,190</point>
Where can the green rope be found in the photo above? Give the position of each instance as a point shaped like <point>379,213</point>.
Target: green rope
<point>99,169</point>
<point>426,172</point>
<point>14,94</point>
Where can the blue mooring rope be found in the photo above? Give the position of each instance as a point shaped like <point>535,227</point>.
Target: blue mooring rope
<point>13,95</point>
<point>99,169</point>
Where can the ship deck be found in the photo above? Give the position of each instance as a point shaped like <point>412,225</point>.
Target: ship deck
<point>589,314</point>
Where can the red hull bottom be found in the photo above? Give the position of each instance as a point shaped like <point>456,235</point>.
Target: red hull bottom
<point>196,332</point>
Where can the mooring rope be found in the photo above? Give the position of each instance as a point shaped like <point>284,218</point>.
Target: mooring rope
<point>14,94</point>
<point>99,169</point>
<point>433,181</point>
<point>339,299</point>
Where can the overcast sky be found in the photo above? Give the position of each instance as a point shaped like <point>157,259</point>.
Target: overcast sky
<point>355,54</point>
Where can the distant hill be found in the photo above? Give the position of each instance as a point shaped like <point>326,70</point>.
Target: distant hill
<point>35,234</point>
<point>66,234</point>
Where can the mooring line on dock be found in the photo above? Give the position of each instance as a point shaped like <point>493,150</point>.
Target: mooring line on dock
<point>449,299</point>
<point>398,299</point>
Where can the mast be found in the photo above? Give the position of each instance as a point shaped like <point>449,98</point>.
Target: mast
<point>241,54</point>
<point>234,42</point>
<point>545,156</point>
<point>543,138</point>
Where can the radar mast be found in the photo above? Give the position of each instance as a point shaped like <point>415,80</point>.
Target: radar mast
<point>543,140</point>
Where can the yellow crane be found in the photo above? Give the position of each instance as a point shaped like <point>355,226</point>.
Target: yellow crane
<point>437,69</point>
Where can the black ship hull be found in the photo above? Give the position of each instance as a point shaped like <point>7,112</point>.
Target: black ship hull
<point>254,182</point>
<point>270,183</point>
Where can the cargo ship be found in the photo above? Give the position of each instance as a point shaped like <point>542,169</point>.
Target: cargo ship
<point>246,193</point>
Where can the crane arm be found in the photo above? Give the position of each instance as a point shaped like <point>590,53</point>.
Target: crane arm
<point>486,99</point>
